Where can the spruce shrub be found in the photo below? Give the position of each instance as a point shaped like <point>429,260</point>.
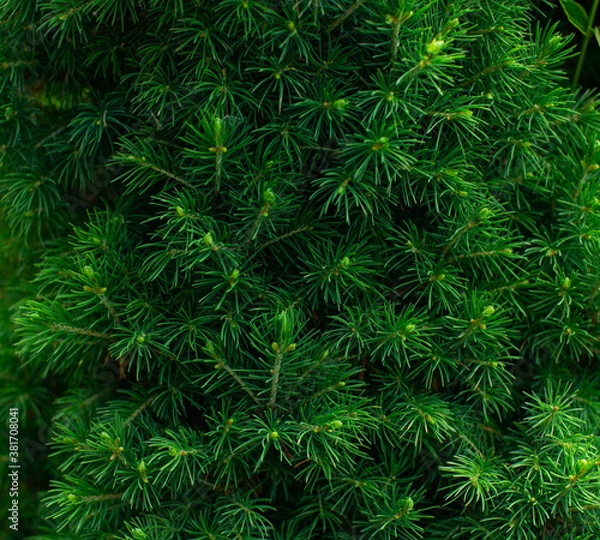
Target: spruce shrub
<point>314,269</point>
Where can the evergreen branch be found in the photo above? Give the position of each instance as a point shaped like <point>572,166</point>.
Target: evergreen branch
<point>477,254</point>
<point>352,194</point>
<point>323,148</point>
<point>487,71</point>
<point>275,379</point>
<point>169,175</point>
<point>91,399</point>
<point>259,216</point>
<point>96,498</point>
<point>111,310</point>
<point>459,233</point>
<point>511,287</point>
<point>222,364</point>
<point>138,411</point>
<point>284,236</point>
<point>80,331</point>
<point>43,141</point>
<point>345,15</point>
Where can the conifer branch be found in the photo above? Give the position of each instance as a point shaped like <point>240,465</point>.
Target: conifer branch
<point>284,236</point>
<point>345,15</point>
<point>414,202</point>
<point>80,331</point>
<point>96,498</point>
<point>487,71</point>
<point>138,411</point>
<point>275,379</point>
<point>222,364</point>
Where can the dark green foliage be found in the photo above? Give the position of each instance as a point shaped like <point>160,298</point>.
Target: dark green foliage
<point>21,388</point>
<point>339,273</point>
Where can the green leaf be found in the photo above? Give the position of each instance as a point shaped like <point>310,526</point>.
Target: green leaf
<point>576,14</point>
<point>597,34</point>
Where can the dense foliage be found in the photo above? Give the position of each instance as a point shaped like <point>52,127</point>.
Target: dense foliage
<point>333,273</point>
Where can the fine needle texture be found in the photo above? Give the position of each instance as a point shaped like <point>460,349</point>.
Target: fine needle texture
<point>312,269</point>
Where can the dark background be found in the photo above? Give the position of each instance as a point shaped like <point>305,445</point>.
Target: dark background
<point>551,12</point>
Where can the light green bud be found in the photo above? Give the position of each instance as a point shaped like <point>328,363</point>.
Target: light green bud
<point>284,321</point>
<point>485,213</point>
<point>138,534</point>
<point>269,196</point>
<point>435,46</point>
<point>452,25</point>
<point>408,504</point>
<point>489,311</point>
<point>217,127</point>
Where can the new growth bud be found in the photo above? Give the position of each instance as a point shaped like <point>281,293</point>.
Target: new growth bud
<point>285,322</point>
<point>435,46</point>
<point>217,128</point>
<point>488,311</point>
<point>451,25</point>
<point>138,534</point>
<point>485,213</point>
<point>269,196</point>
